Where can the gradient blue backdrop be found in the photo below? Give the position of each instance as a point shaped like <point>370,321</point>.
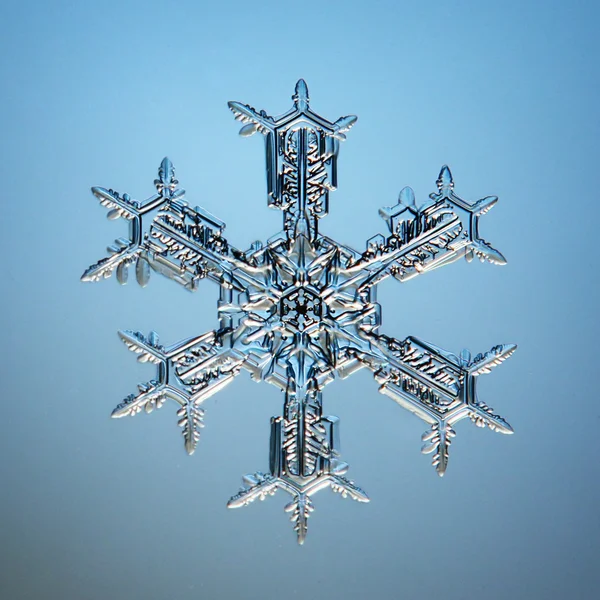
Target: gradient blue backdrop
<point>96,93</point>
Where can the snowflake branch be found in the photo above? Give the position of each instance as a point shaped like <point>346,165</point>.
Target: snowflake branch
<point>347,488</point>
<point>437,441</point>
<point>260,486</point>
<point>300,507</point>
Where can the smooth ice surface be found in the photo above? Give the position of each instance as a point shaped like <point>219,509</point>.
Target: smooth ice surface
<point>97,93</point>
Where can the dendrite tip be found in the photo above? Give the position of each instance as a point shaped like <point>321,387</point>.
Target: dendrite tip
<point>407,196</point>
<point>300,96</point>
<point>445,178</point>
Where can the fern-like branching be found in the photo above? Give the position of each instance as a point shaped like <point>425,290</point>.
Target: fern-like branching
<point>300,507</point>
<point>437,441</point>
<point>191,420</point>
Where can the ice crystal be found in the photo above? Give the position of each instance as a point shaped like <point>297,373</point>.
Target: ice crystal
<point>301,310</point>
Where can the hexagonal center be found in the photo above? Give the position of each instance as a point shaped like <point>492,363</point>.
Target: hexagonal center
<point>300,309</point>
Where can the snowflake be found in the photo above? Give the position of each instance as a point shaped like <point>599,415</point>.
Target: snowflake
<point>301,310</point>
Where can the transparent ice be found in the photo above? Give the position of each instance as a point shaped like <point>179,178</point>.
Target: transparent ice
<point>301,310</point>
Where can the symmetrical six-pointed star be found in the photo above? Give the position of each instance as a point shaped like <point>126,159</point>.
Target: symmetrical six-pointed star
<point>301,310</point>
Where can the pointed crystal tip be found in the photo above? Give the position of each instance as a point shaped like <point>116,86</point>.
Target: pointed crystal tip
<point>166,171</point>
<point>166,176</point>
<point>344,124</point>
<point>248,130</point>
<point>465,357</point>
<point>407,196</point>
<point>300,97</point>
<point>445,178</point>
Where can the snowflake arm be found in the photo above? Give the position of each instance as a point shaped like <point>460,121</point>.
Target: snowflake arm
<point>301,156</point>
<point>184,244</point>
<point>437,386</point>
<point>126,251</point>
<point>425,238</point>
<point>304,457</point>
<point>187,373</point>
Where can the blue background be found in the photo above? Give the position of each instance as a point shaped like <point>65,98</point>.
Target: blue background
<point>96,93</point>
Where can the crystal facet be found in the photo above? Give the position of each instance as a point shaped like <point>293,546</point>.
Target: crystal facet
<point>301,310</point>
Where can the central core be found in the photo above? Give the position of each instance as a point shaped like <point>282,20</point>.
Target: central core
<point>301,310</point>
